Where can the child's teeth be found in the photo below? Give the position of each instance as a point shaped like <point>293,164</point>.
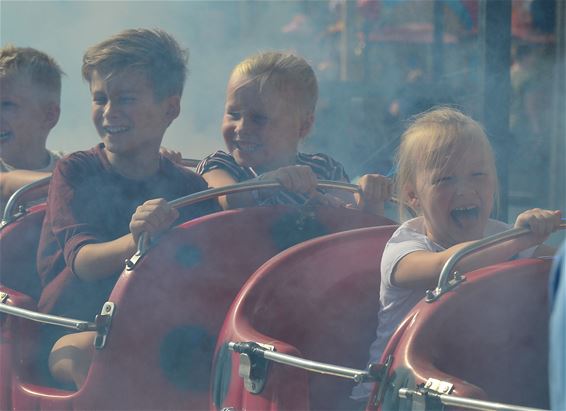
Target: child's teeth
<point>114,130</point>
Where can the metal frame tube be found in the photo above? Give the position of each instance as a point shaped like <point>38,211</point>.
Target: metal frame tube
<point>469,403</point>
<point>252,348</point>
<point>71,323</point>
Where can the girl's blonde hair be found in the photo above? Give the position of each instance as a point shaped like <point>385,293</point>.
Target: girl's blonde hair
<point>430,138</point>
<point>287,72</point>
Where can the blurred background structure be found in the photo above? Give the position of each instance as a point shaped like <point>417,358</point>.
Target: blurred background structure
<point>378,62</point>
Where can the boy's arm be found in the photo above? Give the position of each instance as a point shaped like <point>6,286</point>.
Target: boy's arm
<point>422,268</point>
<point>11,181</point>
<point>95,261</point>
<point>99,260</point>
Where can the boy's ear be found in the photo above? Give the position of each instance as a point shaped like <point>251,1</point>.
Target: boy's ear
<point>173,107</point>
<point>52,113</point>
<point>306,125</point>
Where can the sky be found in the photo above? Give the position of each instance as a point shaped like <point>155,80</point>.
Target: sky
<point>211,30</point>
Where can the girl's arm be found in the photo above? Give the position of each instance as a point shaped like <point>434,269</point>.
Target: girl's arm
<point>421,269</point>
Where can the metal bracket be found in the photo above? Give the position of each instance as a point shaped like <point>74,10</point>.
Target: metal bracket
<point>426,396</point>
<point>380,373</point>
<point>3,297</point>
<point>253,369</point>
<point>438,386</point>
<point>433,295</point>
<point>103,322</point>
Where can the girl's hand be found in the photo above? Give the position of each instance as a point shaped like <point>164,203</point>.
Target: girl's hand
<point>376,190</point>
<point>300,179</point>
<point>152,217</point>
<point>542,223</point>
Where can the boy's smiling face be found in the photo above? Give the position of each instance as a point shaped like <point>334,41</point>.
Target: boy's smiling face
<point>126,114</point>
<point>456,201</point>
<point>261,128</point>
<point>25,114</point>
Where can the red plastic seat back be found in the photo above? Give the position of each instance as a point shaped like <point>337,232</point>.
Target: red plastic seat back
<point>321,299</point>
<point>18,249</point>
<point>170,307</point>
<point>489,336</point>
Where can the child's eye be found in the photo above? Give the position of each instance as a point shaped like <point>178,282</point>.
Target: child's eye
<point>233,115</point>
<point>443,180</point>
<point>479,174</point>
<point>99,100</point>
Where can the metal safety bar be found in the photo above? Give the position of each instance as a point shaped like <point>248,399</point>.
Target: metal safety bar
<point>71,323</point>
<point>445,283</point>
<point>254,349</point>
<point>470,403</point>
<point>143,243</point>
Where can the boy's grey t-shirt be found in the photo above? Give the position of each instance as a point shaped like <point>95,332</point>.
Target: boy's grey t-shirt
<point>396,302</point>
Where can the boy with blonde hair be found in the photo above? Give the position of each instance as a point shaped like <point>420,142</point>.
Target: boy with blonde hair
<point>270,108</point>
<point>30,93</point>
<point>101,200</point>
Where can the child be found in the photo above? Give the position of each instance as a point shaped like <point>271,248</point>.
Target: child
<point>446,171</point>
<point>30,91</point>
<point>270,105</point>
<point>100,201</point>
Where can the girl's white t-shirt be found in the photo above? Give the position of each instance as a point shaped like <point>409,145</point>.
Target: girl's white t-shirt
<point>396,302</point>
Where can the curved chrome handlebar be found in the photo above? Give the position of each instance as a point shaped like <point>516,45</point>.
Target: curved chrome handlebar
<point>194,198</point>
<point>445,283</point>
<point>10,212</point>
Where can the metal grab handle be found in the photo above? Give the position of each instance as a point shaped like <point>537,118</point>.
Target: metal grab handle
<point>254,349</point>
<point>444,279</point>
<point>71,323</point>
<point>464,402</point>
<point>245,186</point>
<point>14,200</point>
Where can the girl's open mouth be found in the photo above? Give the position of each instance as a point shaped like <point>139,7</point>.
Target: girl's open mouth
<point>465,215</point>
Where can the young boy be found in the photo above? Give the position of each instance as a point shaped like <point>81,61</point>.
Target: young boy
<point>270,108</point>
<point>30,92</point>
<point>100,201</point>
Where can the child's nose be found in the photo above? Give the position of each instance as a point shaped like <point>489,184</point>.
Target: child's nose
<point>243,127</point>
<point>109,110</point>
<point>464,187</point>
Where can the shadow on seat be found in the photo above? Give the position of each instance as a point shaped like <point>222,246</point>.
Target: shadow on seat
<point>488,337</point>
<point>318,300</point>
<point>170,307</point>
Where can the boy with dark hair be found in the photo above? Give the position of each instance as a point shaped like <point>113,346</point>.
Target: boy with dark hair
<point>30,93</point>
<point>101,201</point>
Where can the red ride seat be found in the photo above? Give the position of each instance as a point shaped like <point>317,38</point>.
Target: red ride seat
<point>170,307</point>
<point>318,300</point>
<point>18,249</point>
<point>488,337</point>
